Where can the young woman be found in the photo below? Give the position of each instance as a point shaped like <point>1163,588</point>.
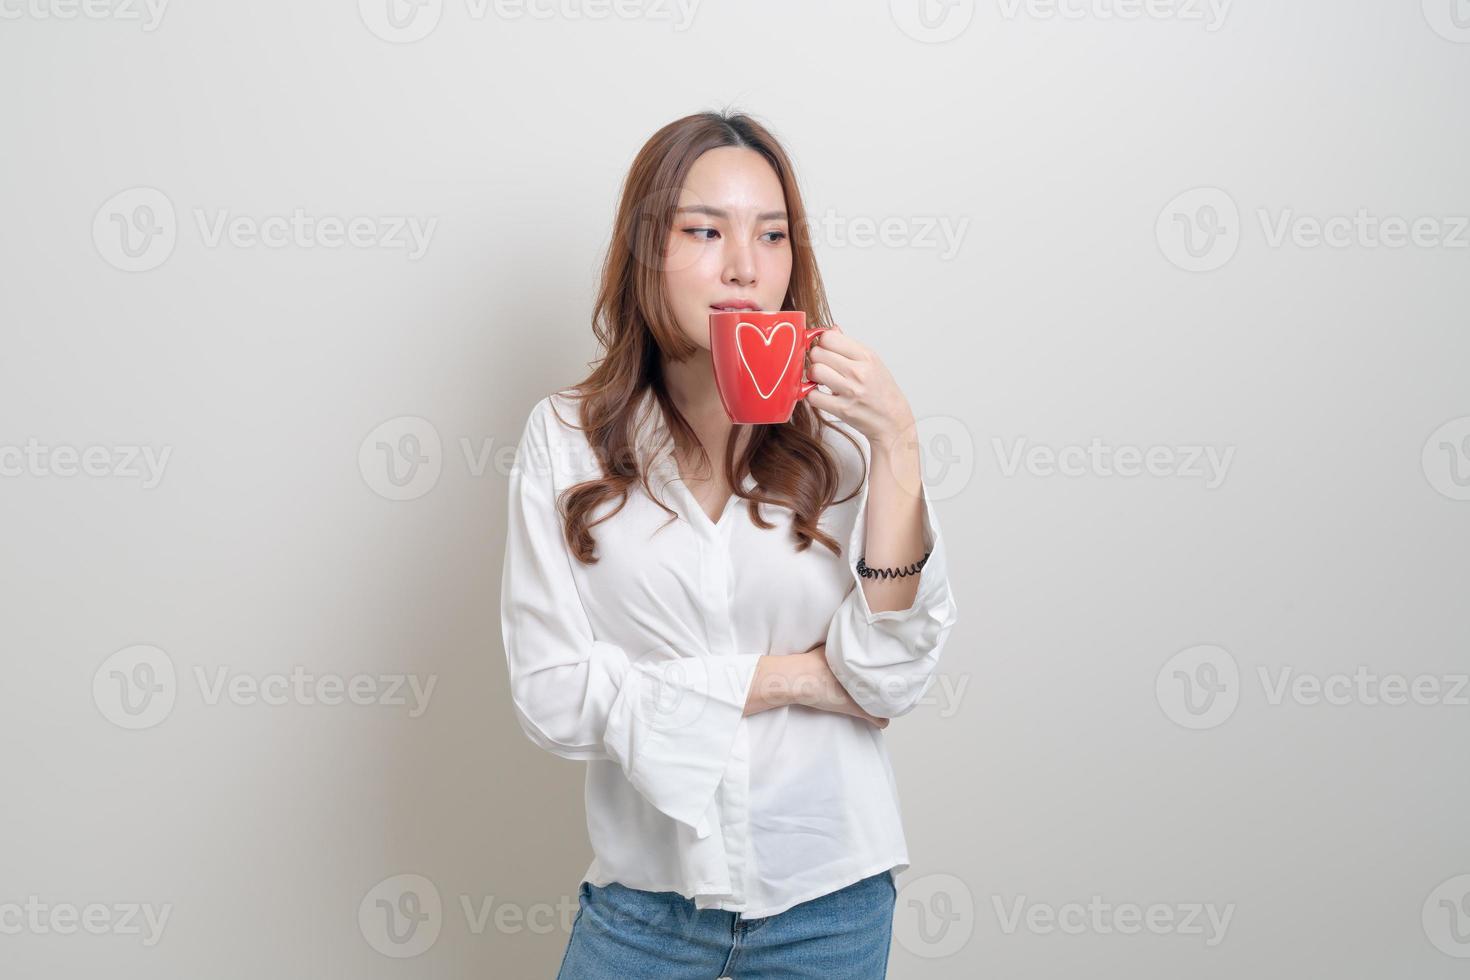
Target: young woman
<point>723,643</point>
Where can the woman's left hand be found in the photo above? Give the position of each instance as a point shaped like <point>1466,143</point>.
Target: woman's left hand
<point>864,394</point>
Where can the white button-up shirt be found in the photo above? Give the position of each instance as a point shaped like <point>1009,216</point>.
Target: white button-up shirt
<point>640,665</point>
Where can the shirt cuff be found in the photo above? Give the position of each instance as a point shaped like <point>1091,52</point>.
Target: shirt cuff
<point>673,727</point>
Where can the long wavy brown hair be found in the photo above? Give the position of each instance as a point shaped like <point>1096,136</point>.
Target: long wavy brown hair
<point>636,329</point>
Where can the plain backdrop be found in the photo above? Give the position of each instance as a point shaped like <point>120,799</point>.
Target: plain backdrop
<point>1164,741</point>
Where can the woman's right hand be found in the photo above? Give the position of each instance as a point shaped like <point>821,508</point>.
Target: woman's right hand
<point>804,678</point>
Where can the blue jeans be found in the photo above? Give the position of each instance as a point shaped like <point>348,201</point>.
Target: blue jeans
<point>623,933</point>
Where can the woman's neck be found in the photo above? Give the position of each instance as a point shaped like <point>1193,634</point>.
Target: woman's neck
<point>691,386</point>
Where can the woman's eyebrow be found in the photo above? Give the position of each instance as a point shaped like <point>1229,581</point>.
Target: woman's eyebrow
<point>721,213</point>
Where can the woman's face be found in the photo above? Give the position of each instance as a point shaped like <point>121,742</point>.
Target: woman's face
<point>730,242</point>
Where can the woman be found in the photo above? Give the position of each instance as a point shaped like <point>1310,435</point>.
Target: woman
<point>725,681</point>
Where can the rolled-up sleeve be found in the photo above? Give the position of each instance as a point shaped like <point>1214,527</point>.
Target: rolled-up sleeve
<point>888,660</point>
<point>669,722</point>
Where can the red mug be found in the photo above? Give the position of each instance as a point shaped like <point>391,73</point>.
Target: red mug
<point>759,361</point>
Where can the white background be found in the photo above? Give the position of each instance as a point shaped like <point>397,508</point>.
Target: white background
<point>1058,140</point>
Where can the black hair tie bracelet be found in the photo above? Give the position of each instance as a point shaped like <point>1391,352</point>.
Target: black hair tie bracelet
<point>866,572</point>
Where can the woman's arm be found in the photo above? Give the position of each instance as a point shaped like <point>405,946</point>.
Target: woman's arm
<point>805,679</point>
<point>895,518</point>
<point>885,641</point>
<point>670,724</point>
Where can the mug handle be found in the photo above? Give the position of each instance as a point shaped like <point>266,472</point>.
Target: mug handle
<point>807,387</point>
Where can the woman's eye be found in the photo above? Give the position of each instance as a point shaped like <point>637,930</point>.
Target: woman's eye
<point>710,234</point>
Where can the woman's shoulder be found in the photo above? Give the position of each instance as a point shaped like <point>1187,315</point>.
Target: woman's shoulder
<point>556,417</point>
<point>553,431</point>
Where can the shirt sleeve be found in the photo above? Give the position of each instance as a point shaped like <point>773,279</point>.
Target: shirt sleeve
<point>888,660</point>
<point>669,723</point>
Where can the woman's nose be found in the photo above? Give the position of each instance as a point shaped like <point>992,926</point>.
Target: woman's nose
<point>739,265</point>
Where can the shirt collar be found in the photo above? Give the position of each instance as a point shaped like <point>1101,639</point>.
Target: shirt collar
<point>656,443</point>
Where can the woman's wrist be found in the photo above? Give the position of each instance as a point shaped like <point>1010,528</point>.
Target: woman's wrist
<point>801,677</point>
<point>898,436</point>
<point>781,680</point>
<point>771,687</point>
